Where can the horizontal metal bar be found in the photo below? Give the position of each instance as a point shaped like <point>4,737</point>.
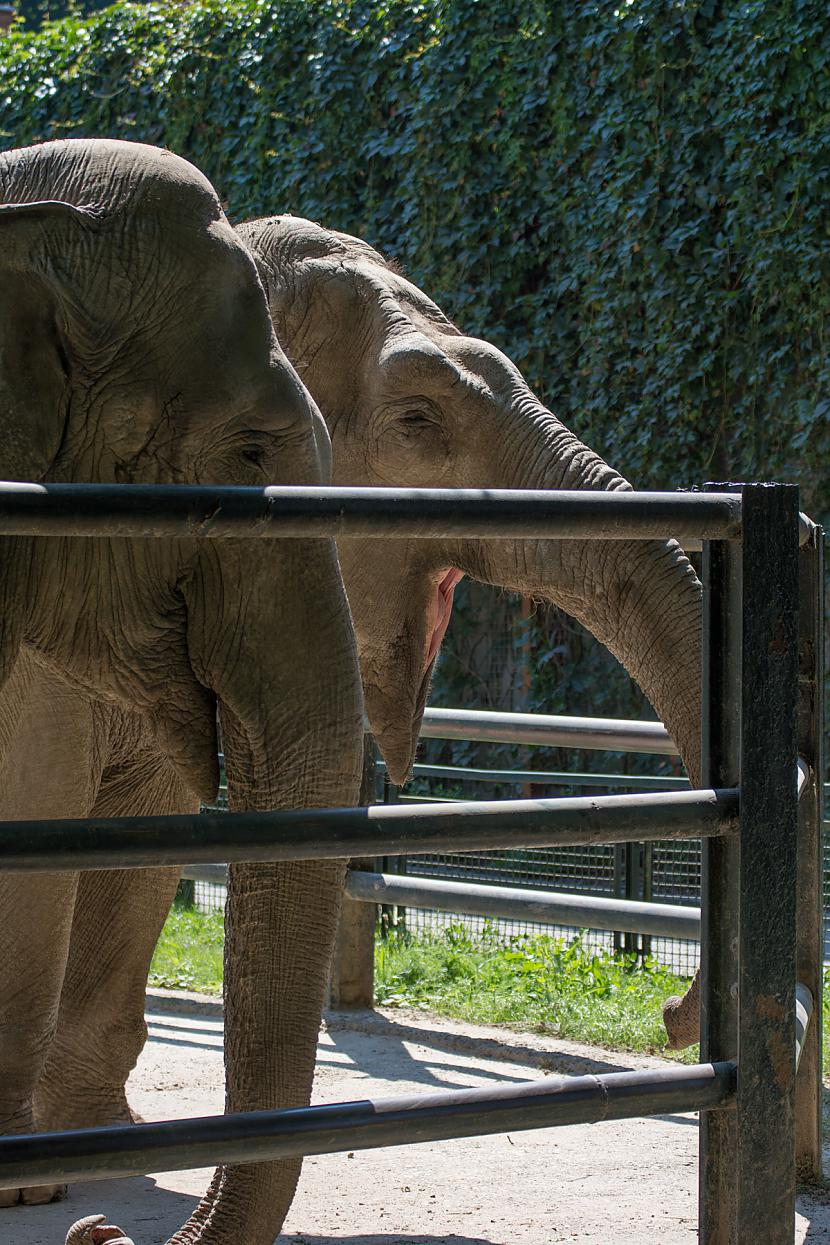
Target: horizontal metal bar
<point>803,1016</point>
<point>551,730</point>
<point>213,875</point>
<point>803,775</point>
<point>553,778</point>
<point>382,830</point>
<point>293,511</point>
<point>522,904</point>
<point>133,1150</point>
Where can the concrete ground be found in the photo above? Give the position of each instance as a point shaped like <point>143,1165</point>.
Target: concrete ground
<point>608,1184</point>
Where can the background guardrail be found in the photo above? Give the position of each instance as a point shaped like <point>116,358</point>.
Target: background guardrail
<point>761,970</point>
<point>489,885</point>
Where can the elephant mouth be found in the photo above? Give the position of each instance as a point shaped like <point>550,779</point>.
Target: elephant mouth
<point>396,720</point>
<point>438,618</point>
<point>438,615</point>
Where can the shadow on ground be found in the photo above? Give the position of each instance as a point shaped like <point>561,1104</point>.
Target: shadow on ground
<point>145,1210</point>
<point>400,1064</point>
<point>383,1239</point>
<point>343,1026</point>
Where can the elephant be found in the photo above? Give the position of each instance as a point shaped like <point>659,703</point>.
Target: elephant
<point>411,401</point>
<point>136,347</point>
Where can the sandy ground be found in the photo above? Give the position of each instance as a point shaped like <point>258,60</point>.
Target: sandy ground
<point>606,1184</point>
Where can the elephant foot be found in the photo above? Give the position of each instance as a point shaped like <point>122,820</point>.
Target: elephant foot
<point>17,1120</point>
<point>93,1231</point>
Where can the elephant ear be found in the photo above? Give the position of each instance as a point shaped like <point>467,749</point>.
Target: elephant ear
<point>35,362</point>
<point>35,367</point>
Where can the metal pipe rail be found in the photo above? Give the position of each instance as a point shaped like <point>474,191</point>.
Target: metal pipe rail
<point>132,1150</point>
<point>803,1016</point>
<point>385,829</point>
<point>557,778</point>
<point>761,705</point>
<point>510,902</point>
<point>522,904</point>
<point>159,510</point>
<point>551,730</point>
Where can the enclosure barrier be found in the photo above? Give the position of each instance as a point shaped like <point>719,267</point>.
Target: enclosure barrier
<point>573,910</point>
<point>761,844</point>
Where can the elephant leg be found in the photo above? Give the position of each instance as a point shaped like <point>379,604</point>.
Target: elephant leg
<point>117,920</point>
<point>49,768</point>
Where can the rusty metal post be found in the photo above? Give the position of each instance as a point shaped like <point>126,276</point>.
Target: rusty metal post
<point>721,688</point>
<point>765,1108</point>
<point>352,979</point>
<point>810,916</point>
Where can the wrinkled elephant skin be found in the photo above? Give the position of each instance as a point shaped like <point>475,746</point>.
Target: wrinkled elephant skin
<point>136,347</point>
<point>411,401</point>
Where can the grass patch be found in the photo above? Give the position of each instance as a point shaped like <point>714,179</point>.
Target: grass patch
<point>189,952</point>
<point>536,982</point>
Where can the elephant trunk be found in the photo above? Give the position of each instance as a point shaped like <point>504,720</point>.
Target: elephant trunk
<point>641,599</point>
<point>292,731</point>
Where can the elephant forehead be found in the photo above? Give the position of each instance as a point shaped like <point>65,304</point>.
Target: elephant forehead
<point>110,175</point>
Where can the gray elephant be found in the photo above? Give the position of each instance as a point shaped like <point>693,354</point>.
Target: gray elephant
<point>136,347</point>
<point>410,401</point>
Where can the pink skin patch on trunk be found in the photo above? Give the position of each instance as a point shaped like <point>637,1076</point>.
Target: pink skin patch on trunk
<point>440,608</point>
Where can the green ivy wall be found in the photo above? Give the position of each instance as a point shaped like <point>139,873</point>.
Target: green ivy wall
<point>631,199</point>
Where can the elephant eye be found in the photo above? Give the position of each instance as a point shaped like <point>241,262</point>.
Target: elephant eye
<point>253,454</point>
<point>416,420</point>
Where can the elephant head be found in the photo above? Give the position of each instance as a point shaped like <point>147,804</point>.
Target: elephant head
<point>135,347</point>
<point>107,375</point>
<point>409,400</point>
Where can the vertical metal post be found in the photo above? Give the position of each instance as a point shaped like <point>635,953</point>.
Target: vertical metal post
<point>620,890</point>
<point>720,738</point>
<point>391,917</point>
<point>186,893</point>
<point>765,1107</point>
<point>352,979</point>
<point>810,908</point>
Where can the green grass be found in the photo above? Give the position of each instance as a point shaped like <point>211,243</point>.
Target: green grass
<point>189,952</point>
<point>536,983</point>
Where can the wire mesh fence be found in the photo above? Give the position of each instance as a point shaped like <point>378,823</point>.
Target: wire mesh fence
<point>667,872</point>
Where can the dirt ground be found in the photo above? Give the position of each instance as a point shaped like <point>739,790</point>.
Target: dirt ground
<point>607,1184</point>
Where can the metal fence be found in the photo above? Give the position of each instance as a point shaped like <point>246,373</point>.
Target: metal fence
<point>761,980</point>
<point>668,872</point>
<point>632,871</point>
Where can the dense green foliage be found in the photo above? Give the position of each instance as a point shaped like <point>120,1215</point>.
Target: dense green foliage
<point>36,12</point>
<point>629,196</point>
<point>631,200</point>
